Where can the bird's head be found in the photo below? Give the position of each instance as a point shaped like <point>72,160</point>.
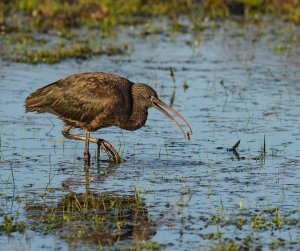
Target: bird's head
<point>143,93</point>
<point>147,97</point>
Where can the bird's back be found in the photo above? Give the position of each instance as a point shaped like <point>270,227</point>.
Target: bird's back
<point>85,100</point>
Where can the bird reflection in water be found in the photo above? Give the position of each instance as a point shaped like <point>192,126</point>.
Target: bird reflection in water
<point>94,218</point>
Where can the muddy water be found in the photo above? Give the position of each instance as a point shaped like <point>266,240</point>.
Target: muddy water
<point>243,83</point>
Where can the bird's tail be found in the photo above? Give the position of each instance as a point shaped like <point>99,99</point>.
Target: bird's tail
<point>38,100</point>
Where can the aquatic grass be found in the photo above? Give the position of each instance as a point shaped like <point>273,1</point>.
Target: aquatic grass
<point>172,74</point>
<point>185,198</point>
<point>110,13</point>
<point>185,86</point>
<point>121,150</point>
<point>274,151</point>
<point>150,29</point>
<point>79,50</point>
<point>11,225</point>
<point>282,49</point>
<point>269,220</point>
<point>120,160</point>
<point>93,13</point>
<point>224,87</point>
<point>13,176</point>
<point>253,8</point>
<point>62,20</point>
<point>262,152</point>
<point>236,145</point>
<point>88,210</point>
<point>145,245</point>
<point>92,217</point>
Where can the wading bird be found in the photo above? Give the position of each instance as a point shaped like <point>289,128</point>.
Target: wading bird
<point>92,101</point>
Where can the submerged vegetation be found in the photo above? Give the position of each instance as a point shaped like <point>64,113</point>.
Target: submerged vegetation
<point>50,31</point>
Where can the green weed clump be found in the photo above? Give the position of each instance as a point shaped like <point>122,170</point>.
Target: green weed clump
<point>269,221</point>
<point>95,218</point>
<point>287,9</point>
<point>77,50</point>
<point>11,225</point>
<point>49,14</point>
<point>29,28</point>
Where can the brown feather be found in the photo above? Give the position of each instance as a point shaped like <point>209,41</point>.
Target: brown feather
<point>86,100</point>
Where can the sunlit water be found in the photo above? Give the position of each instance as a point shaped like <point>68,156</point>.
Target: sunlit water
<point>238,88</point>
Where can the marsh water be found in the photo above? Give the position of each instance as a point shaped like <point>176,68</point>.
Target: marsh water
<point>233,81</point>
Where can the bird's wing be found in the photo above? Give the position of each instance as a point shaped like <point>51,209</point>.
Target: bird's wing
<point>83,97</point>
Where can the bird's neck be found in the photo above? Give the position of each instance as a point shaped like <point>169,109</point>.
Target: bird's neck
<point>137,118</point>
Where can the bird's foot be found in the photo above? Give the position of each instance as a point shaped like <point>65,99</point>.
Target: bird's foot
<point>104,145</point>
<point>111,152</point>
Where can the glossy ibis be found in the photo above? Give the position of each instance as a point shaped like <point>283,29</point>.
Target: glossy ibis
<point>92,101</point>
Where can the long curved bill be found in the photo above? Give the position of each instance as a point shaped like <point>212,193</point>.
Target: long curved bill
<point>157,103</point>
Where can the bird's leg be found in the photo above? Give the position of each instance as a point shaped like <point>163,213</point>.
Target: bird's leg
<point>98,155</point>
<point>104,145</point>
<point>66,133</point>
<point>87,156</point>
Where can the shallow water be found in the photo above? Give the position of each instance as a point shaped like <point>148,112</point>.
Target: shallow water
<point>239,87</point>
